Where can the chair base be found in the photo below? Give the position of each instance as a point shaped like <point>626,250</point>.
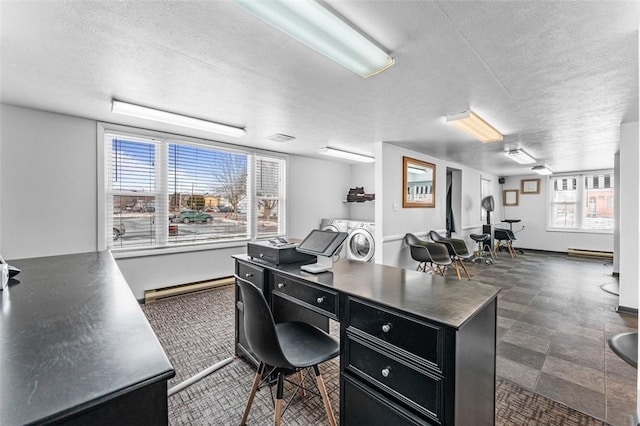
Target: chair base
<point>260,378</point>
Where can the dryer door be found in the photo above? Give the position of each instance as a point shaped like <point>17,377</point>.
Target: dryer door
<point>360,245</point>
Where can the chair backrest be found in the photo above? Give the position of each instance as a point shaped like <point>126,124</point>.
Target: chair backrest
<point>503,234</point>
<point>435,236</point>
<point>259,326</point>
<point>412,240</point>
<point>417,246</point>
<point>439,253</point>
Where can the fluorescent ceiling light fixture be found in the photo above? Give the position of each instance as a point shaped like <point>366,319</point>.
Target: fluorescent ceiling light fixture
<point>541,170</point>
<point>519,156</point>
<point>475,126</point>
<point>315,26</point>
<point>132,110</point>
<point>416,170</point>
<point>346,155</point>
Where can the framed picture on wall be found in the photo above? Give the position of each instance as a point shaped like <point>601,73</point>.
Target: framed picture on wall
<point>530,186</point>
<point>510,197</point>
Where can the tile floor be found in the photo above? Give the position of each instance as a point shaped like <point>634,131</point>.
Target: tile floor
<point>553,324</point>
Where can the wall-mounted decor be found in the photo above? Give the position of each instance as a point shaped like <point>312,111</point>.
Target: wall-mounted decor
<point>418,183</point>
<point>510,197</point>
<point>530,186</point>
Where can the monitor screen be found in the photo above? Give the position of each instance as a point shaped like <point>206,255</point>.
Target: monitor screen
<point>322,243</point>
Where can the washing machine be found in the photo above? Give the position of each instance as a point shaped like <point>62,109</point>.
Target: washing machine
<point>336,225</point>
<point>360,244</point>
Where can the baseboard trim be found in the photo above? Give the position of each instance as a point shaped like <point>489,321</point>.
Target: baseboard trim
<point>154,295</point>
<point>626,310</point>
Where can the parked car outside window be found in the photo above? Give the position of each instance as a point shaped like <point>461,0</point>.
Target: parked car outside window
<point>195,216</point>
<point>118,230</point>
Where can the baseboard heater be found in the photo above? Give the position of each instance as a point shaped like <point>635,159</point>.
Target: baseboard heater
<point>590,253</point>
<point>161,293</point>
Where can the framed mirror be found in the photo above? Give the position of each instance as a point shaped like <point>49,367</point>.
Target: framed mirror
<point>510,197</point>
<point>418,183</point>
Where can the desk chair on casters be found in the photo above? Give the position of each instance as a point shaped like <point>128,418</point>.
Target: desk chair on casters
<point>283,346</point>
<point>504,237</point>
<point>457,249</point>
<point>426,253</point>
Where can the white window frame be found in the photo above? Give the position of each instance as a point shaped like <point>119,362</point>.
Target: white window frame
<point>163,140</point>
<point>580,201</point>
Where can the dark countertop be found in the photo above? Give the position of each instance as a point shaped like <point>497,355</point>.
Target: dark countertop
<point>72,335</point>
<point>445,300</point>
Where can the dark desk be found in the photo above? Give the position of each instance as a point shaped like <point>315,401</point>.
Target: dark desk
<point>415,348</point>
<point>75,347</point>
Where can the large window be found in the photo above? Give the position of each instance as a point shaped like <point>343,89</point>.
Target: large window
<point>164,192</point>
<point>582,202</point>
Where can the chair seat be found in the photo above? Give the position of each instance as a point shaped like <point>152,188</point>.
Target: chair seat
<point>480,237</point>
<point>304,345</point>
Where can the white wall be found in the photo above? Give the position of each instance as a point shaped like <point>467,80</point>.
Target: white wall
<point>317,189</point>
<point>48,183</point>
<point>629,214</point>
<point>532,210</point>
<point>616,214</point>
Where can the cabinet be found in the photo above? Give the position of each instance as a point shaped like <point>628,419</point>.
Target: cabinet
<point>415,349</point>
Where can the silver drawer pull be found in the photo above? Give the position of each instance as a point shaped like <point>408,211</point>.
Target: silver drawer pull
<point>385,372</point>
<point>386,328</point>
<point>248,275</point>
<point>320,299</point>
<point>261,255</point>
<point>280,285</point>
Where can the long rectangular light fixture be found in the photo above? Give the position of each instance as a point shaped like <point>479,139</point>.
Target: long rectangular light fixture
<point>542,170</point>
<point>346,155</point>
<point>519,156</point>
<point>152,114</point>
<point>474,125</point>
<point>315,26</point>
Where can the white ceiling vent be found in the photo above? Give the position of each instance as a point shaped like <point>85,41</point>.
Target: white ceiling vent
<point>279,137</point>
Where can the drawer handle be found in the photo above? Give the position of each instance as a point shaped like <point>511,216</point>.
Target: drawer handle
<point>320,299</point>
<point>248,275</point>
<point>386,328</point>
<point>280,285</point>
<point>261,255</point>
<point>385,372</point>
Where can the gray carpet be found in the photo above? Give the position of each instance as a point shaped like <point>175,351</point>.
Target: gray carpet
<point>196,331</point>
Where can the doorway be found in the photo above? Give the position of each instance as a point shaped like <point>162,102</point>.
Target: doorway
<point>454,201</point>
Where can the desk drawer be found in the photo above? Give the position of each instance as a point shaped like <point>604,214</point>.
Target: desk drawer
<point>417,338</point>
<point>318,299</point>
<point>411,385</point>
<point>363,406</point>
<point>253,274</point>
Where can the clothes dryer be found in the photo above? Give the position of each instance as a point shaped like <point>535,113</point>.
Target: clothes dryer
<point>360,244</point>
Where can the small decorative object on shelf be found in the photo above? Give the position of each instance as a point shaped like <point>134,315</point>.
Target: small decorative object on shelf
<point>357,195</point>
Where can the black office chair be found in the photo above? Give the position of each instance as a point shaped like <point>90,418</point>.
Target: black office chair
<point>457,249</point>
<point>504,238</point>
<point>426,253</point>
<point>283,346</point>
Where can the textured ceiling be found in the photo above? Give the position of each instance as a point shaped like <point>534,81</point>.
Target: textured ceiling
<point>556,77</point>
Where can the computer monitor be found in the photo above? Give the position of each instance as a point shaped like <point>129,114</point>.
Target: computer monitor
<point>323,244</point>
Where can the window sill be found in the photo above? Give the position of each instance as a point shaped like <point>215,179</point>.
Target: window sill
<point>580,231</point>
<point>175,249</point>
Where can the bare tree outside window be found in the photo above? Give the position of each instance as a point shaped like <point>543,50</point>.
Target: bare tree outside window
<point>231,177</point>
